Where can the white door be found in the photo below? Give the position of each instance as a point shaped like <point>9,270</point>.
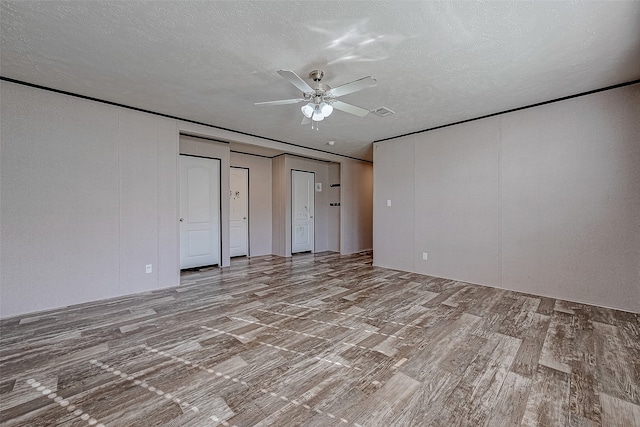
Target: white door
<point>302,207</point>
<point>199,211</point>
<point>239,207</point>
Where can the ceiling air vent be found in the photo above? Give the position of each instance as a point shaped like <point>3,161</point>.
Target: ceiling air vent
<point>382,112</point>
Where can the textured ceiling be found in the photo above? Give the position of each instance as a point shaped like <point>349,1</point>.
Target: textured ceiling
<point>435,63</point>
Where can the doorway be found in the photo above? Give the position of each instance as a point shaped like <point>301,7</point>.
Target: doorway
<point>239,211</point>
<point>302,211</point>
<point>199,211</point>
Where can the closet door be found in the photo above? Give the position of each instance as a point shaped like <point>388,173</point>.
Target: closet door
<point>199,211</point>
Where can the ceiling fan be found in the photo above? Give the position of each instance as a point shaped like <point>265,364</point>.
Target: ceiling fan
<point>319,98</point>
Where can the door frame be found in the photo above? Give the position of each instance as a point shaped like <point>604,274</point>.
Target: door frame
<point>248,205</point>
<point>313,249</point>
<point>219,207</point>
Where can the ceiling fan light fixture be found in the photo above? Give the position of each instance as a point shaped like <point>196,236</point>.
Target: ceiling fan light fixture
<point>307,110</point>
<point>317,114</point>
<point>326,109</point>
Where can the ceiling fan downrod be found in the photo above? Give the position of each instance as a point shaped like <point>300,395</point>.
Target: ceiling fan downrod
<point>316,75</point>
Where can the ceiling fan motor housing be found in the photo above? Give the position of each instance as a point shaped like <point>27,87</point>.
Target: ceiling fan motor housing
<point>320,90</point>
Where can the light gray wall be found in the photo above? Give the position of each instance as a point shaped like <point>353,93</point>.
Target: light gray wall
<point>571,205</point>
<point>279,194</point>
<point>86,201</point>
<point>394,181</point>
<point>89,196</point>
<point>215,150</point>
<point>168,209</point>
<point>333,196</point>
<point>456,204</point>
<point>544,200</point>
<point>260,198</point>
<point>356,206</point>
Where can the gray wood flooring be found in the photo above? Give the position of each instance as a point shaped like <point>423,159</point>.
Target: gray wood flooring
<point>321,340</point>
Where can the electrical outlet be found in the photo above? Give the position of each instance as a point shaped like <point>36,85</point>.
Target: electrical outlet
<point>424,256</point>
<point>149,268</point>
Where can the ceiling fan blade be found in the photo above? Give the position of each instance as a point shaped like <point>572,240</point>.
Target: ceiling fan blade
<point>295,80</point>
<point>353,86</point>
<point>351,109</point>
<point>305,120</point>
<point>281,102</point>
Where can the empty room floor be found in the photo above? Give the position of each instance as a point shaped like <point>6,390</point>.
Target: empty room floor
<point>321,340</point>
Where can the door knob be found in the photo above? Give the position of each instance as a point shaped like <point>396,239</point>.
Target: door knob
<point>181,219</point>
<point>244,217</point>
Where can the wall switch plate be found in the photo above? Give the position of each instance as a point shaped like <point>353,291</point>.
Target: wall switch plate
<point>388,202</point>
<point>149,268</point>
<point>318,187</point>
<point>424,256</point>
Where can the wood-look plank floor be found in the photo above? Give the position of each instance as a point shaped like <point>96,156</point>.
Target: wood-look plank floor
<point>321,340</point>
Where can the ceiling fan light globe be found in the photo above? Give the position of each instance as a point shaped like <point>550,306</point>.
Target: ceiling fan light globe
<point>326,109</point>
<point>307,110</point>
<point>317,117</point>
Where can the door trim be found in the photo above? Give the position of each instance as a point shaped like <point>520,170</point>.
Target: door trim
<point>248,207</point>
<point>219,207</point>
<point>313,250</point>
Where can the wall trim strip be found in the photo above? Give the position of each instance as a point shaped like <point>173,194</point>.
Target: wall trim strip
<point>564,98</point>
<point>116,104</point>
